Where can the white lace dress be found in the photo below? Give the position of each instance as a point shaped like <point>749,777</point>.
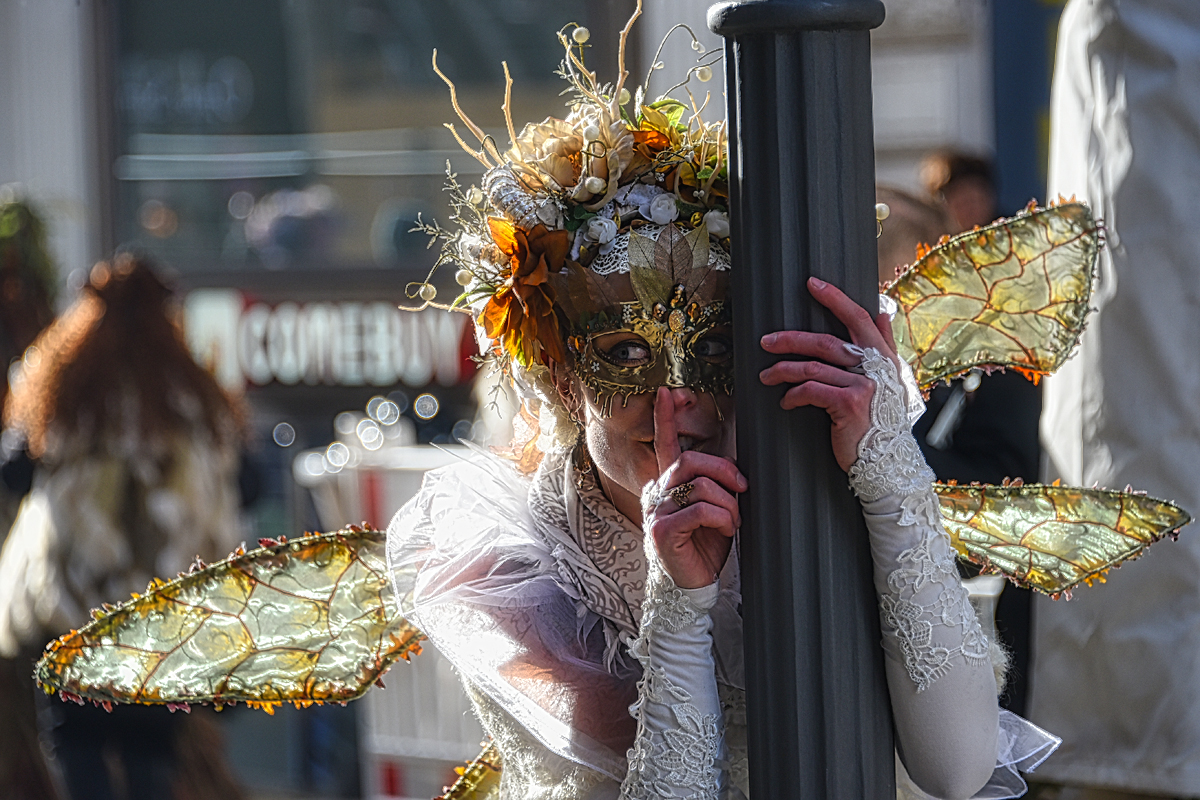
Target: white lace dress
<point>599,678</point>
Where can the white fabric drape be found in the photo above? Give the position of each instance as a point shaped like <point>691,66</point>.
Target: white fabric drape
<point>1117,670</point>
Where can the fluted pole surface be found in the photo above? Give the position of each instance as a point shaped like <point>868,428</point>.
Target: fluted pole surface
<point>798,92</point>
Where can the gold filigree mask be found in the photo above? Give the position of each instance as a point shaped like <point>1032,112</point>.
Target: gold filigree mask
<point>639,352</point>
<point>675,334</point>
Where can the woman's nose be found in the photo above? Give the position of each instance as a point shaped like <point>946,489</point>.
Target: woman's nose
<point>683,396</point>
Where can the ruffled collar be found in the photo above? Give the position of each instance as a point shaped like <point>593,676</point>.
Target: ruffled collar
<point>597,551</point>
<point>599,563</point>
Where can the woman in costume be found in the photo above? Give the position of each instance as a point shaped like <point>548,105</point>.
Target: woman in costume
<point>586,586</point>
<point>591,604</point>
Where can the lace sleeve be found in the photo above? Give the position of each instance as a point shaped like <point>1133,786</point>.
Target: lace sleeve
<point>925,608</point>
<point>678,749</point>
<point>939,669</point>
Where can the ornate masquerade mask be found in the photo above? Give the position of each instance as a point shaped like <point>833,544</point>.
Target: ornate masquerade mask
<point>675,333</point>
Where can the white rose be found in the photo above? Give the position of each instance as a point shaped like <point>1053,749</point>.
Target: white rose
<point>662,209</point>
<point>718,223</point>
<point>601,229</point>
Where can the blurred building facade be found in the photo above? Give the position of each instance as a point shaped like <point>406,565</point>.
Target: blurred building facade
<point>273,155</point>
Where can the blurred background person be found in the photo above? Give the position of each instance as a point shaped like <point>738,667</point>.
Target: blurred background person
<point>965,183</point>
<point>27,284</point>
<point>977,428</point>
<point>1117,672</point>
<point>136,461</point>
<point>911,221</point>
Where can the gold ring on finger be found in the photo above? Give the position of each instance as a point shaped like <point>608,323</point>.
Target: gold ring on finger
<point>680,494</point>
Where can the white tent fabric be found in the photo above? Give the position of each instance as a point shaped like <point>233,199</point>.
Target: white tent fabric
<point>1117,670</point>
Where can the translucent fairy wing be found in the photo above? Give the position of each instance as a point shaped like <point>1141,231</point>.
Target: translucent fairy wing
<point>479,779</point>
<point>1052,538</point>
<point>1014,294</point>
<point>304,621</point>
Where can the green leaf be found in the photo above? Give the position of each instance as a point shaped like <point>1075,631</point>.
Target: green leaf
<point>687,209</point>
<point>671,108</point>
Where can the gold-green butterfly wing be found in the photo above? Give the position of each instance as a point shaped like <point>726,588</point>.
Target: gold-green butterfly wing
<point>309,620</point>
<point>1053,538</point>
<point>1013,295</point>
<point>478,779</point>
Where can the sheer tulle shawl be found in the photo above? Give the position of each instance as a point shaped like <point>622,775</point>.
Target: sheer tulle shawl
<point>469,572</point>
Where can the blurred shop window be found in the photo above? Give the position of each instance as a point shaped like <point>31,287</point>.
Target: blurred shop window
<point>308,134</point>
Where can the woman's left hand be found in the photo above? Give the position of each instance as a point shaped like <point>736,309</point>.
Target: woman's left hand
<point>829,383</point>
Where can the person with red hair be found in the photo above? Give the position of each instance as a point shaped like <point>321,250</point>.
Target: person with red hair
<point>136,454</point>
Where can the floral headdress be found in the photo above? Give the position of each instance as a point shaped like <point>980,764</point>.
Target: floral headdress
<point>612,217</point>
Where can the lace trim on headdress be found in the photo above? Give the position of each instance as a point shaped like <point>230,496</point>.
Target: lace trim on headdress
<point>616,260</point>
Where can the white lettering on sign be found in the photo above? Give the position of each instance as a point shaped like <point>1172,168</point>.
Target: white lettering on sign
<point>335,343</point>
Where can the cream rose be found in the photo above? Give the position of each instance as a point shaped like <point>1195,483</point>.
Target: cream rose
<point>663,210</point>
<point>718,223</point>
<point>601,229</point>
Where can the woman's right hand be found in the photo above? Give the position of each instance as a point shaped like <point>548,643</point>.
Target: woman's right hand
<point>692,535</point>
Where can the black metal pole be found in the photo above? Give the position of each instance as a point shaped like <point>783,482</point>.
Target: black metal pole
<point>798,89</point>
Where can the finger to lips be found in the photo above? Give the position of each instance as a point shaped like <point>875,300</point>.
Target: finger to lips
<point>666,434</point>
<point>692,464</point>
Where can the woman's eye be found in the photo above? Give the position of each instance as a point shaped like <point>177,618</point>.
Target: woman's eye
<point>713,349</point>
<point>629,353</point>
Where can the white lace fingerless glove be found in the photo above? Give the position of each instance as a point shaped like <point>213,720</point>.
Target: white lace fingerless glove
<point>679,747</point>
<point>924,608</point>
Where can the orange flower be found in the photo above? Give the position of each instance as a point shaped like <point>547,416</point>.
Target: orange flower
<point>650,142</point>
<point>647,144</point>
<point>521,314</point>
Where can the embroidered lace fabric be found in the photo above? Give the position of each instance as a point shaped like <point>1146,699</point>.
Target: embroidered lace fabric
<point>600,563</point>
<point>927,610</point>
<point>680,733</point>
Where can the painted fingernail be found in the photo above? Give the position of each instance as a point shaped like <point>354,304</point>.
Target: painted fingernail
<point>816,283</point>
<point>769,339</point>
